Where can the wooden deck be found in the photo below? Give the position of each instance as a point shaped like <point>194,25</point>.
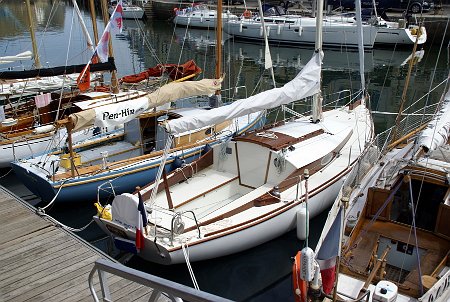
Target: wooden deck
<point>40,261</point>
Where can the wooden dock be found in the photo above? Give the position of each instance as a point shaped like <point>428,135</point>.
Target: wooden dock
<point>40,261</point>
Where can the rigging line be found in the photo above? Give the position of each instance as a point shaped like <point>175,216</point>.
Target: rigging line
<point>184,247</point>
<point>414,211</point>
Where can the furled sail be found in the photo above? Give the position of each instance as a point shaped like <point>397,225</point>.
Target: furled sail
<point>122,112</point>
<point>437,132</point>
<point>306,83</point>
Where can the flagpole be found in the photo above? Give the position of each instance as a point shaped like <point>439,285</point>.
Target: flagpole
<point>344,205</point>
<point>114,82</point>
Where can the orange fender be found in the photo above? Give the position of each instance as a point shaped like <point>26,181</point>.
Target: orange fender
<point>300,286</point>
<point>247,14</point>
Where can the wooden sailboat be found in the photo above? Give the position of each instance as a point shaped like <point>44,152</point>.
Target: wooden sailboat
<point>390,215</point>
<point>28,127</point>
<point>250,189</point>
<point>132,158</point>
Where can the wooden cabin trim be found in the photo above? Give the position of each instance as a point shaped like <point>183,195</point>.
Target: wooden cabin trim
<point>287,206</point>
<point>442,226</point>
<point>182,173</point>
<point>282,141</point>
<point>86,171</point>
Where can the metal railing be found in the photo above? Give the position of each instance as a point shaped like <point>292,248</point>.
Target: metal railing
<point>157,286</point>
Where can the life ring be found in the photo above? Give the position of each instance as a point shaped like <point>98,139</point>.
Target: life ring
<point>300,286</point>
<point>247,14</point>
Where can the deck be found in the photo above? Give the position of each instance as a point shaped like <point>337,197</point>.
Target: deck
<point>40,261</point>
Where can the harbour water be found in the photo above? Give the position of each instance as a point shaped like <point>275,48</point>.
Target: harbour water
<point>262,273</point>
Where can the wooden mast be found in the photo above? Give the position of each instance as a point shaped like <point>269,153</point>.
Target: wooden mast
<point>94,22</point>
<point>114,82</point>
<point>37,62</point>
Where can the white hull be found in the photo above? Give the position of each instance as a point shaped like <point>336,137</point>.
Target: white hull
<point>402,36</point>
<point>388,32</point>
<point>201,18</point>
<point>301,30</point>
<point>258,224</point>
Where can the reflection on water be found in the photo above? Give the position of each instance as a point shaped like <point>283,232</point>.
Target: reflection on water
<point>251,274</point>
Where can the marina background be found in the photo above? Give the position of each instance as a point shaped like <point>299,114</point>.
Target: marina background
<point>263,273</point>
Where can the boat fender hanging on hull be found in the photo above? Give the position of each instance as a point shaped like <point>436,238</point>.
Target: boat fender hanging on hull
<point>302,217</point>
<point>307,264</point>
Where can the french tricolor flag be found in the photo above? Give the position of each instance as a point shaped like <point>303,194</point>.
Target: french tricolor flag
<point>142,223</point>
<point>328,252</point>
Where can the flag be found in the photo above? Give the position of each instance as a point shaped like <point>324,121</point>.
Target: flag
<point>42,100</point>
<point>328,251</point>
<point>139,233</point>
<point>142,210</point>
<point>102,48</point>
<point>116,18</point>
<point>84,79</point>
<point>114,25</point>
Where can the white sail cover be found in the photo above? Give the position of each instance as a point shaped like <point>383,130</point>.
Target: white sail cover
<point>306,83</point>
<point>438,130</point>
<point>122,112</point>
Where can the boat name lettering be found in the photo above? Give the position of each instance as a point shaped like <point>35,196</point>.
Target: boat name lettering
<point>122,113</point>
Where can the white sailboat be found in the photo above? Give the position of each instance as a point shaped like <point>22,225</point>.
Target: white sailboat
<point>250,189</point>
<point>200,16</point>
<point>300,30</point>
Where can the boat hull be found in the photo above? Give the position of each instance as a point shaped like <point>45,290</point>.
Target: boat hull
<point>296,33</point>
<point>86,188</point>
<point>248,236</point>
<point>403,36</point>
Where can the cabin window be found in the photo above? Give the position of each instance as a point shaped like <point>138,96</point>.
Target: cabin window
<point>426,200</point>
<point>148,134</point>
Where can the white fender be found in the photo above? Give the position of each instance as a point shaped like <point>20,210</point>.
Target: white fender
<point>240,27</point>
<point>279,29</point>
<point>268,31</point>
<point>300,30</point>
<point>307,264</point>
<point>302,217</point>
<point>261,31</point>
<point>44,129</point>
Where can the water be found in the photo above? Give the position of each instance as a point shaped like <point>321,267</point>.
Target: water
<point>262,273</point>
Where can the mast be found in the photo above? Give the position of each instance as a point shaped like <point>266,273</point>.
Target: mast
<point>317,100</point>
<point>94,22</point>
<point>267,57</point>
<point>216,99</point>
<point>114,82</point>
<point>37,62</point>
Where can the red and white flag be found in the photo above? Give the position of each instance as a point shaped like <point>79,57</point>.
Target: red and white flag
<point>116,18</point>
<point>139,233</point>
<point>328,252</point>
<point>114,25</point>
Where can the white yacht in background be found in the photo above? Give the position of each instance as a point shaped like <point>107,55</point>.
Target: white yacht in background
<point>200,16</point>
<point>130,10</point>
